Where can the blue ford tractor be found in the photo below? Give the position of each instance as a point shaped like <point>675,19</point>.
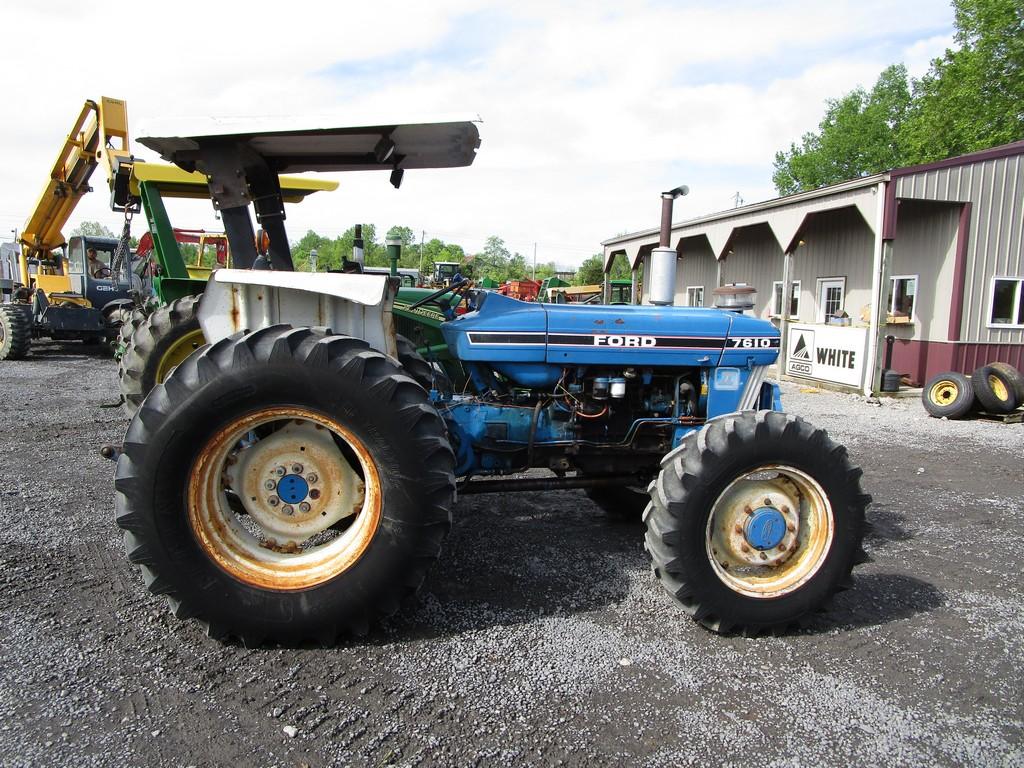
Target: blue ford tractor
<point>295,478</point>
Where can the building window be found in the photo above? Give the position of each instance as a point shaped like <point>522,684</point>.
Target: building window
<point>1006,308</point>
<point>695,296</point>
<point>794,299</point>
<point>831,296</point>
<point>902,298</point>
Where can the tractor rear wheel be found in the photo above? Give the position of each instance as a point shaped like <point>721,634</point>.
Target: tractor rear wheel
<point>157,344</point>
<point>755,521</point>
<point>15,331</point>
<point>285,485</point>
<point>422,372</point>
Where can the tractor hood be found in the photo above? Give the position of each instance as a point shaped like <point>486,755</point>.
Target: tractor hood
<point>505,329</point>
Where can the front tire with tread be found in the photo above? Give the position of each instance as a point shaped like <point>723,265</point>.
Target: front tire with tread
<point>15,331</point>
<point>698,474</point>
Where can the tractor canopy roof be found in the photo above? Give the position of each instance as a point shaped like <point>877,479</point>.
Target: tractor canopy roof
<point>290,148</point>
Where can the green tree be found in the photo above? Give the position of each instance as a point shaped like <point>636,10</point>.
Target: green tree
<point>332,252</point>
<point>435,250</point>
<point>517,267</point>
<point>92,229</point>
<point>300,251</point>
<point>410,255</point>
<point>545,270</point>
<point>492,261</point>
<point>591,271</point>
<point>972,98</point>
<point>858,136</point>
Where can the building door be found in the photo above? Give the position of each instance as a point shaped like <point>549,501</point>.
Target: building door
<point>831,297</point>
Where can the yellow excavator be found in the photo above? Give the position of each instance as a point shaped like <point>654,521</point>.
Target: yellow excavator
<point>82,288</point>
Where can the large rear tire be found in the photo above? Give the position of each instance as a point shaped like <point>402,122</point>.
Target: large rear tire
<point>15,331</point>
<point>157,344</point>
<point>285,485</point>
<point>755,521</point>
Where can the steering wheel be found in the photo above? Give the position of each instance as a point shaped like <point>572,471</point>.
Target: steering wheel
<point>102,272</point>
<point>453,288</point>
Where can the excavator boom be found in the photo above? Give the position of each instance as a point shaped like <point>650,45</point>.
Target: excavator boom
<point>99,134</point>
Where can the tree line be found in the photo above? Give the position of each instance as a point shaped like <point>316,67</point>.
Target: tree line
<point>494,261</point>
<point>971,98</point>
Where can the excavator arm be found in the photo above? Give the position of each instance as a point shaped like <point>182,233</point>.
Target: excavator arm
<point>100,134</point>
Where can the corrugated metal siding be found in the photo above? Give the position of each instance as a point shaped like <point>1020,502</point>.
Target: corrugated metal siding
<point>696,267</point>
<point>836,244</point>
<point>925,246</point>
<point>996,239</point>
<point>756,259</point>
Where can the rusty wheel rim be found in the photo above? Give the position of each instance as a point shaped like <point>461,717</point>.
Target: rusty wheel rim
<point>314,523</point>
<point>791,505</point>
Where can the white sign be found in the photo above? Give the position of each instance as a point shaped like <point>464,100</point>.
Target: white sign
<point>827,353</point>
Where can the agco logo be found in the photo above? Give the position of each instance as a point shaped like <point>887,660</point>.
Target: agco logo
<point>625,341</point>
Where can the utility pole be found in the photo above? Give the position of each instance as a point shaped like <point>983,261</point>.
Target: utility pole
<point>535,262</point>
<point>423,240</point>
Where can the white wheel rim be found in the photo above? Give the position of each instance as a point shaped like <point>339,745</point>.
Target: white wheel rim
<point>263,553</point>
<point>779,570</point>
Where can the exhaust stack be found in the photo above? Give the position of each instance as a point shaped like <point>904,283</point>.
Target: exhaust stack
<point>357,245</point>
<point>663,258</point>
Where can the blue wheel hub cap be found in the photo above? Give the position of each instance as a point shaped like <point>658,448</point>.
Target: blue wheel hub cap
<point>292,489</point>
<point>766,528</point>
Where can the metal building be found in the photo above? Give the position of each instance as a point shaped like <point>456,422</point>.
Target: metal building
<point>930,255</point>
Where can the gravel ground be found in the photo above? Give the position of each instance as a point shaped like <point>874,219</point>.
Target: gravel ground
<point>541,637</point>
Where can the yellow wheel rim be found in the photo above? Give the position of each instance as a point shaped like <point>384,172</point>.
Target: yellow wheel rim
<point>944,392</point>
<point>248,544</point>
<point>177,353</point>
<point>998,388</point>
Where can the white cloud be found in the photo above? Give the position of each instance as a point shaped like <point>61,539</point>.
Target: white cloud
<point>589,108</point>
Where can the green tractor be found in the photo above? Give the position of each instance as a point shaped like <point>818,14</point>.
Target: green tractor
<point>164,330</point>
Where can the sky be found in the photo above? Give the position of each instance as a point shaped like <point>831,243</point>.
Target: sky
<point>589,109</point>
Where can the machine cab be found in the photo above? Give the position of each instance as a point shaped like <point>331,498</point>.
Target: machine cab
<point>89,265</point>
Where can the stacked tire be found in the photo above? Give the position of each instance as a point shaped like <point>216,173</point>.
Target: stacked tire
<point>996,388</point>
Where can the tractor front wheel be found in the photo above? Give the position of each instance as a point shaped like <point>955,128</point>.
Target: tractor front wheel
<point>755,521</point>
<point>157,344</point>
<point>15,331</point>
<point>285,485</point>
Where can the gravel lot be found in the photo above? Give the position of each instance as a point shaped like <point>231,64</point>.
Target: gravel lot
<point>541,637</point>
